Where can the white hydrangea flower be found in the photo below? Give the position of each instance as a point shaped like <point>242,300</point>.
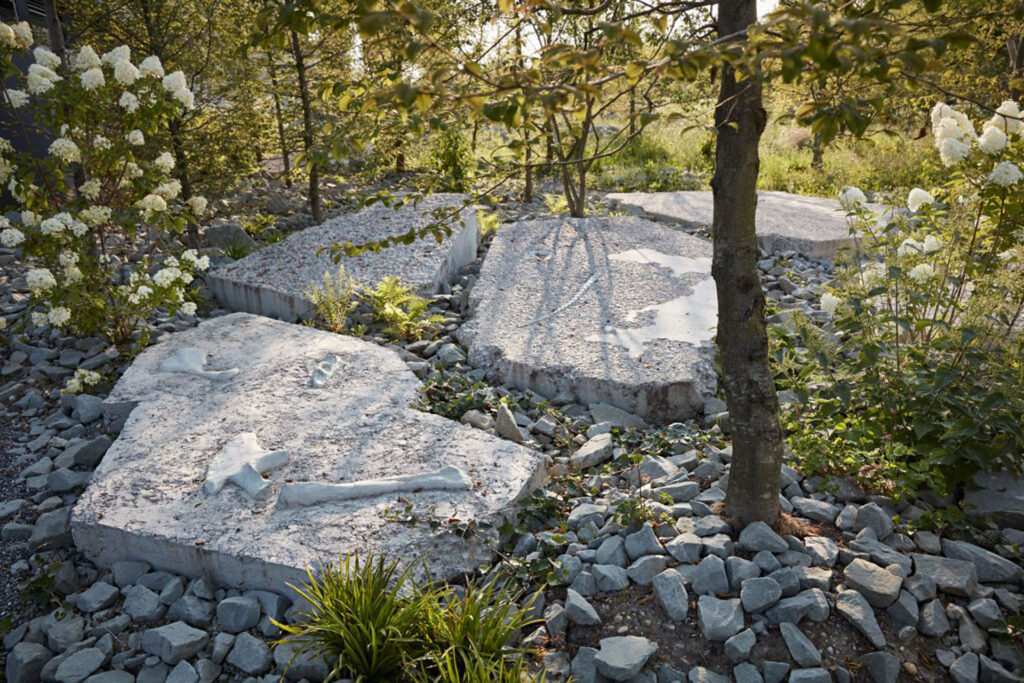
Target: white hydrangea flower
<point>3,323</point>
<point>188,308</point>
<point>140,294</point>
<point>829,303</point>
<point>165,277</point>
<point>59,316</point>
<point>92,79</point>
<point>136,138</point>
<point>40,280</point>
<point>993,140</point>
<point>952,151</point>
<point>17,98</point>
<point>90,189</point>
<point>132,170</point>
<point>96,215</point>
<point>851,197</point>
<point>6,170</point>
<point>152,203</point>
<point>186,98</point>
<point>1005,174</point>
<point>43,72</point>
<point>175,81</point>
<point>910,246</point>
<point>7,37</point>
<point>874,274</point>
<point>189,256</point>
<point>164,162</point>
<point>78,228</point>
<point>171,261</point>
<point>1008,118</point>
<point>65,150</point>
<point>125,72</point>
<point>168,190</point>
<point>39,319</point>
<point>101,143</point>
<point>918,198</point>
<point>29,218</point>
<point>151,66</point>
<point>67,258</point>
<point>72,274</point>
<point>198,204</point>
<point>23,34</point>
<point>37,85</point>
<point>52,227</point>
<point>119,54</point>
<point>128,102</point>
<point>11,237</point>
<point>44,56</point>
<point>931,244</point>
<point>922,272</point>
<point>86,59</point>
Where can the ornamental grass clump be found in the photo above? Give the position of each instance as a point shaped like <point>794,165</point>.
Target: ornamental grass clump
<point>921,386</point>
<point>99,207</point>
<point>371,622</point>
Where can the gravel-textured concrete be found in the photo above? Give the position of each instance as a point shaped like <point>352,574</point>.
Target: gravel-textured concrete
<point>618,310</point>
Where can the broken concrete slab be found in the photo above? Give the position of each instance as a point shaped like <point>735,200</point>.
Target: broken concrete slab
<point>274,280</point>
<point>351,434</point>
<point>619,310</point>
<point>814,226</point>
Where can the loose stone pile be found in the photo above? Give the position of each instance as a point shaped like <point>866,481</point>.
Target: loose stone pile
<point>680,596</point>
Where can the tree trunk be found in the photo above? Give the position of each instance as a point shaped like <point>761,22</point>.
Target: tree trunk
<point>307,131</point>
<point>1015,48</point>
<point>817,154</point>
<point>632,111</point>
<point>742,337</point>
<point>528,174</point>
<point>279,114</point>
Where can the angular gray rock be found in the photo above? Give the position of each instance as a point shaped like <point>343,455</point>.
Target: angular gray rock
<point>594,452</point>
<point>965,668</point>
<point>620,658</point>
<point>685,548</point>
<point>759,593</point>
<point>643,542</point>
<point>98,596</point>
<point>932,620</point>
<point>801,649</point>
<point>174,642</point>
<point>878,585</point>
<point>823,550</point>
<point>25,661</point>
<point>872,516</point>
<point>710,577</point>
<point>610,578</point>
<point>52,530</point>
<point>991,568</point>
<point>855,608</point>
<point>817,675</point>
<point>738,647</point>
<point>579,610</point>
<point>719,619</point>
<point>80,665</point>
<point>759,536</point>
<point>250,654</point>
<point>238,614</point>
<point>956,577</point>
<point>643,571</point>
<point>882,667</point>
<point>142,605</point>
<point>670,590</point>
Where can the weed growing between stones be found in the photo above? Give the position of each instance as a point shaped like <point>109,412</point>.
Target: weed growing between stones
<point>371,622</point>
<point>402,312</point>
<point>333,300</point>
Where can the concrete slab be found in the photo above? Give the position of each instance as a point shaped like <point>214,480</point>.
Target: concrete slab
<point>814,226</point>
<point>616,310</point>
<point>196,481</point>
<point>273,280</point>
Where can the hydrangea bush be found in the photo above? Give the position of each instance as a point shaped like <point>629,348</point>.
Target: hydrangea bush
<point>100,209</point>
<point>919,381</point>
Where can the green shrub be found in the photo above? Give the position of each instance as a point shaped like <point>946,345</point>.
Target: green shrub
<point>403,313</point>
<point>333,300</point>
<point>370,622</point>
<point>453,160</point>
<point>922,385</point>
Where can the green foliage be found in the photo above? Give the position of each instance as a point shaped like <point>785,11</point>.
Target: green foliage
<point>453,160</point>
<point>403,313</point>
<point>371,622</point>
<point>453,394</point>
<point>489,222</point>
<point>333,300</point>
<point>921,386</point>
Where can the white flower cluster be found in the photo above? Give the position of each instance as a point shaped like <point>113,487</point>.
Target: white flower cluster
<point>918,198</point>
<point>17,36</point>
<point>197,262</point>
<point>40,280</point>
<point>81,380</point>
<point>57,224</point>
<point>198,204</point>
<point>176,84</point>
<point>954,136</point>
<point>65,150</point>
<point>852,197</point>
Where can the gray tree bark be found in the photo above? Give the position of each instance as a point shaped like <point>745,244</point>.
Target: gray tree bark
<point>307,129</point>
<point>753,491</point>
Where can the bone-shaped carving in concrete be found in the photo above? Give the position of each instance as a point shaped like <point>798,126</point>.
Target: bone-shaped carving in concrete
<point>193,361</point>
<point>242,461</point>
<point>323,371</point>
<point>311,493</point>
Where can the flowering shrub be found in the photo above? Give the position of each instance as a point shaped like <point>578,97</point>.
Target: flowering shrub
<point>100,206</point>
<point>921,385</point>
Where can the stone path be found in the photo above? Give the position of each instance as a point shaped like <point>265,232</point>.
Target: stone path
<point>604,310</point>
<point>295,473</point>
<point>813,226</point>
<point>274,280</point>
